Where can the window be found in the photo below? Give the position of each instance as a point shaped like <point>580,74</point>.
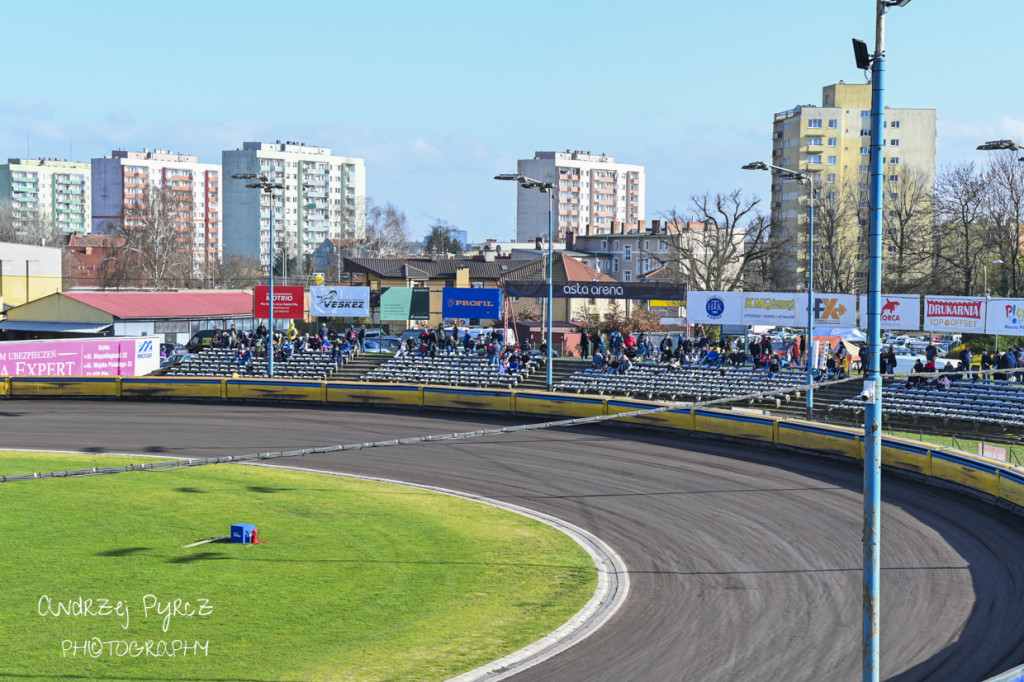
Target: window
<point>892,249</point>
<point>894,124</point>
<point>814,123</point>
<point>831,160</point>
<point>833,142</point>
<point>604,244</point>
<point>615,264</point>
<point>865,150</point>
<point>627,252</point>
<point>864,169</point>
<point>865,132</point>
<point>831,178</point>
<point>831,196</point>
<point>833,123</point>
<point>894,178</point>
<point>627,276</point>
<point>894,143</point>
<point>895,160</point>
<point>647,245</point>
<point>814,158</point>
<point>894,196</point>
<point>865,113</point>
<point>814,140</point>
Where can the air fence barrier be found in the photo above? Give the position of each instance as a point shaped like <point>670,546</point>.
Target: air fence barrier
<point>997,482</point>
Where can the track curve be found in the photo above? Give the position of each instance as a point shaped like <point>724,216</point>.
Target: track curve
<point>744,561</point>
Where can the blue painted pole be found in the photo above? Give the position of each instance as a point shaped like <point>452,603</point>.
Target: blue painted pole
<point>551,290</point>
<point>270,348</point>
<point>810,306</point>
<point>873,410</point>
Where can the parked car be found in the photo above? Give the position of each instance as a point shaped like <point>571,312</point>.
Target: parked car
<point>199,341</point>
<point>387,344</point>
<point>169,349</point>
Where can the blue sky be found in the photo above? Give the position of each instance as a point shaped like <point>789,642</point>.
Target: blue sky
<point>439,97</point>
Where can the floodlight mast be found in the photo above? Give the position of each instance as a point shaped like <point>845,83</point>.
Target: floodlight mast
<point>264,184</point>
<point>548,187</point>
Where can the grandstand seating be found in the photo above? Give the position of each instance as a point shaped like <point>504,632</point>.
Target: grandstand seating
<point>455,369</point>
<point>997,403</point>
<point>214,362</point>
<point>656,381</point>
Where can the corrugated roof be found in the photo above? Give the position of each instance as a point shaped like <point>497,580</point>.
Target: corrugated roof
<point>150,304</point>
<point>48,326</point>
<point>396,268</point>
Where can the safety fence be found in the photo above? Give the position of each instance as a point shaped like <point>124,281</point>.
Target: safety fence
<point>1000,482</point>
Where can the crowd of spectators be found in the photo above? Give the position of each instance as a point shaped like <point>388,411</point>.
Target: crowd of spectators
<point>991,367</point>
<point>432,343</point>
<point>257,344</point>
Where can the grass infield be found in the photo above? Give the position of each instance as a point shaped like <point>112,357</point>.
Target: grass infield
<point>357,580</point>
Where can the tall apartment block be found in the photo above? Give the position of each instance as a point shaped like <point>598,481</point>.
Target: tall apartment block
<point>125,177</point>
<point>593,193</point>
<point>832,142</point>
<point>48,189</point>
<point>324,197</point>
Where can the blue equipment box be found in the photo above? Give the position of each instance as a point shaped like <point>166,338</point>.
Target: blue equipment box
<point>242,532</point>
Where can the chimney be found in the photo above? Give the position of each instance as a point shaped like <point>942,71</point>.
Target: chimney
<point>570,240</point>
<point>539,243</point>
<point>655,226</point>
<point>616,227</point>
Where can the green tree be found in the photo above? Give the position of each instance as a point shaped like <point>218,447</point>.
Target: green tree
<point>441,239</point>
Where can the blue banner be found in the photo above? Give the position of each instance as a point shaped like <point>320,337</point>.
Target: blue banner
<point>483,304</point>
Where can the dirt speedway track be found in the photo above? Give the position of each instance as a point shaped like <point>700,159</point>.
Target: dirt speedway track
<point>744,562</point>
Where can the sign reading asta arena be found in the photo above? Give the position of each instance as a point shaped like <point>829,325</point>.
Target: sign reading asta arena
<point>631,290</point>
<point>954,314</point>
<point>339,301</point>
<point>289,302</point>
<point>483,304</point>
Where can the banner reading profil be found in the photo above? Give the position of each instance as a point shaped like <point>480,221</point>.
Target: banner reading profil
<point>484,304</point>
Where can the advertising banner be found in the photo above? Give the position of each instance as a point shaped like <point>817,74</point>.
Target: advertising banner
<point>339,301</point>
<point>107,356</point>
<point>714,307</point>
<point>405,303</point>
<point>1005,317</point>
<point>766,308</point>
<point>484,304</point>
<point>830,310</point>
<point>632,290</point>
<point>289,302</point>
<point>900,311</point>
<point>954,314</point>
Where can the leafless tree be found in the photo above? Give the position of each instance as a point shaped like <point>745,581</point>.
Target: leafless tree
<point>1004,179</point>
<point>962,239</point>
<point>908,219</point>
<point>35,227</point>
<point>835,248</point>
<point>713,252</point>
<point>157,227</point>
<point>237,271</point>
<point>387,231</point>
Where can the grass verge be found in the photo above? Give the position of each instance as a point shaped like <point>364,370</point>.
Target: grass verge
<point>357,580</point>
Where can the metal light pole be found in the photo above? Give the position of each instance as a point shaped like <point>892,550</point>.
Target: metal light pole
<point>529,183</point>
<point>264,185</point>
<point>873,383</point>
<point>801,177</point>
<point>995,262</point>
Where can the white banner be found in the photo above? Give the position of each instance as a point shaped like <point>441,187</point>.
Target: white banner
<point>714,307</point>
<point>1005,316</point>
<point>339,301</point>
<point>772,309</point>
<point>830,310</point>
<point>900,311</point>
<point>954,314</point>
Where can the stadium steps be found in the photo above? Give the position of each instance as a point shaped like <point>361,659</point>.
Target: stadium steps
<point>823,398</point>
<point>359,366</point>
<point>561,368</point>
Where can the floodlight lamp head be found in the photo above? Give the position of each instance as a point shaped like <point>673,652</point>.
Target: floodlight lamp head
<point>996,262</point>
<point>245,176</point>
<point>897,3</point>
<point>756,165</point>
<point>508,176</point>
<point>993,145</point>
<point>860,54</point>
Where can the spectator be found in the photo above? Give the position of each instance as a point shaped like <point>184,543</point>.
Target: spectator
<point>912,381</point>
<point>625,364</point>
<point>966,358</point>
<point>361,337</point>
<point>773,367</point>
<point>292,332</point>
<point>986,364</point>
<point>584,345</point>
<point>598,362</point>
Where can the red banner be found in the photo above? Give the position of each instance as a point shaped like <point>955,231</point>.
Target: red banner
<point>289,302</point>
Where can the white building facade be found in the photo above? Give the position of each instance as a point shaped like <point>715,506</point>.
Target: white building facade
<point>324,197</point>
<point>593,192</point>
<point>127,177</point>
<point>48,189</point>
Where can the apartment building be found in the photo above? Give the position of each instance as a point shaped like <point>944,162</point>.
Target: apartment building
<point>123,181</point>
<point>324,197</point>
<point>593,191</point>
<point>48,189</point>
<point>832,143</point>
